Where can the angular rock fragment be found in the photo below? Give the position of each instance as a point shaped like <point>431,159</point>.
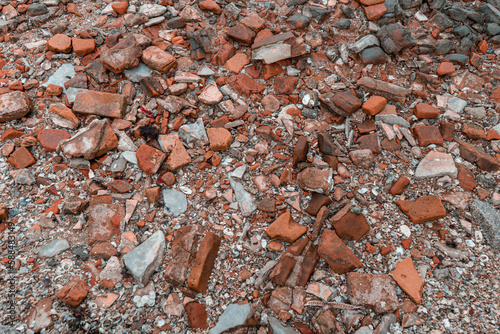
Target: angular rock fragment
<point>178,157</point>
<point>220,139</point>
<point>175,202</point>
<point>21,158</point>
<point>395,37</point>
<point>375,291</point>
<point>488,218</point>
<point>53,248</point>
<point>300,151</point>
<point>14,105</point>
<point>89,142</point>
<point>423,209</point>
<point>476,155</point>
<point>143,260</point>
<point>235,316</point>
<point>363,158</point>
<point>436,164</point>
<point>245,200</point>
<point>104,222</point>
<point>39,317</point>
<point>211,94</point>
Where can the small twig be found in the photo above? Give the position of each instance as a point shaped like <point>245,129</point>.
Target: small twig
<point>337,305</point>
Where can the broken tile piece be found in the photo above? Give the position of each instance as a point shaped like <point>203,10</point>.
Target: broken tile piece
<point>408,279</point>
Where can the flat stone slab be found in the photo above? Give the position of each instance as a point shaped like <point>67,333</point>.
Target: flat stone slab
<point>63,74</point>
<point>436,164</point>
<point>234,315</point>
<point>175,202</point>
<point>53,248</point>
<point>143,260</point>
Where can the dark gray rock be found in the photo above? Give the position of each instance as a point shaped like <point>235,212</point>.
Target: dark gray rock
<point>440,21</point>
<point>36,9</point>
<point>493,29</point>
<point>394,38</point>
<point>488,218</point>
<point>342,23</point>
<point>373,55</point>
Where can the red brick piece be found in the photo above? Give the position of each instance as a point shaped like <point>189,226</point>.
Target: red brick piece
<point>241,34</point>
<point>447,129</point>
<point>149,159</point>
<point>375,291</point>
<point>49,138</point>
<point>4,212</point>
<point>100,104</point>
<point>204,263</point>
<point>120,8</point>
<point>21,158</point>
<point>423,209</point>
<point>197,315</point>
<point>374,105</point>
<point>120,186</point>
<point>445,68</point>
<point>245,84</point>
<point>59,43</point>
<point>473,131</point>
<point>11,133</point>
<point>338,256</point>
<point>408,279</point>
<point>424,110</point>
<point>347,101</point>
<point>74,292</point>
<point>83,46</point>
<point>427,135</point>
<point>375,12</point>
<point>466,178</point>
<point>400,185</point>
<point>351,226</point>
<point>285,85</point>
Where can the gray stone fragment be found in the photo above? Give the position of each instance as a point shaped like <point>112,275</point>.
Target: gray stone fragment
<point>63,74</point>
<point>456,105</point>
<point>118,165</point>
<point>244,198</point>
<point>24,176</point>
<point>71,94</point>
<point>135,74</point>
<point>277,328</point>
<point>194,134</point>
<point>234,316</point>
<point>488,218</point>
<point>436,164</point>
<point>152,10</point>
<point>143,260</point>
<point>175,202</point>
<point>364,330</point>
<point>205,71</point>
<point>364,42</point>
<point>53,248</point>
<point>392,119</point>
<point>385,324</point>
<point>272,53</point>
<point>129,156</point>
